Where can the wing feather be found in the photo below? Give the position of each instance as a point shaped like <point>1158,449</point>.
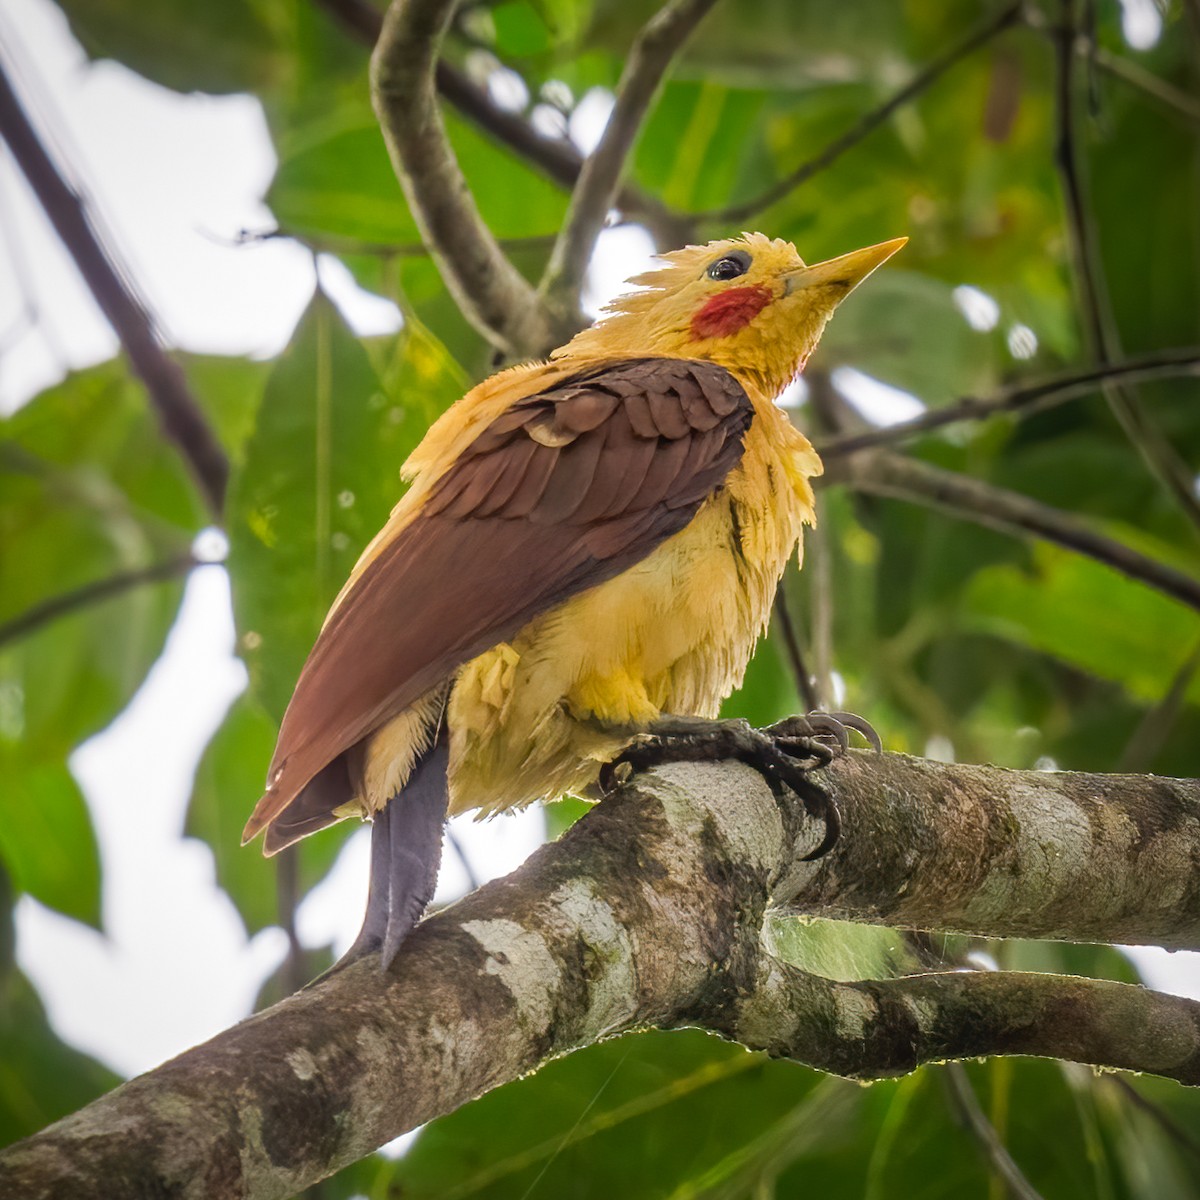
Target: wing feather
<point>565,489</point>
<point>637,409</point>
<point>513,467</point>
<point>571,480</point>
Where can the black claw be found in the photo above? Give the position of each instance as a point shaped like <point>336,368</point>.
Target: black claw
<point>784,754</point>
<point>816,727</point>
<point>861,725</point>
<point>832,817</point>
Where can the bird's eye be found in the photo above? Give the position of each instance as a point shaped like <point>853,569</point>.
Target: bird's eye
<point>729,266</point>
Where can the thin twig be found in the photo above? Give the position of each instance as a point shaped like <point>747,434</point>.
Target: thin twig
<point>830,413</point>
<point>1192,8</point>
<point>493,295</point>
<point>557,158</point>
<point>1099,327</point>
<point>1022,398</point>
<point>294,971</point>
<point>182,418</point>
<point>1149,738</point>
<point>473,880</point>
<point>821,601</point>
<point>358,17</point>
<point>966,1106</point>
<point>28,318</point>
<point>791,644</point>
<point>92,593</point>
<point>1137,76</point>
<point>1176,1132</point>
<point>661,39</point>
<point>983,33</point>
<point>886,474</point>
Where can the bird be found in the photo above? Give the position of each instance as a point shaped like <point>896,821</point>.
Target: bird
<point>587,552</point>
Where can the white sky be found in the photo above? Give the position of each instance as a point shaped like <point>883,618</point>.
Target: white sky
<point>175,179</point>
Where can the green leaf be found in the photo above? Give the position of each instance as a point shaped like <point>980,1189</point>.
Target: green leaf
<point>519,29</point>
<point>87,492</point>
<point>684,1102</point>
<point>218,46</point>
<point>319,477</point>
<point>41,1078</point>
<point>228,781</point>
<point>1065,958</point>
<point>46,838</point>
<point>335,179</point>
<point>905,329</point>
<point>229,390</point>
<point>698,143</point>
<point>1088,615</point>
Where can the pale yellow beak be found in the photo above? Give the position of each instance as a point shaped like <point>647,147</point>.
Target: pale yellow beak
<point>844,273</point>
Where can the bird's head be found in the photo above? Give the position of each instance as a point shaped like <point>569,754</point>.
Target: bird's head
<point>749,304</point>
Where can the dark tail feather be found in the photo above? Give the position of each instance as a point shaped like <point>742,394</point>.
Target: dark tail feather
<point>313,808</point>
<point>406,851</point>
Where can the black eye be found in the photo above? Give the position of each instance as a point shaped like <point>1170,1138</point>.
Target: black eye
<point>729,266</point>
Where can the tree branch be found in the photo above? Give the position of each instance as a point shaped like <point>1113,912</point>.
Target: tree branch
<point>92,593</point>
<point>1150,736</point>
<point>983,33</point>
<point>1021,398</point>
<point>871,1029</point>
<point>884,474</point>
<point>982,850</point>
<point>795,657</point>
<point>1128,71</point>
<point>596,190</point>
<point>557,158</point>
<point>183,420</point>
<point>489,290</point>
<point>1099,325</point>
<point>649,912</point>
<point>965,1105</point>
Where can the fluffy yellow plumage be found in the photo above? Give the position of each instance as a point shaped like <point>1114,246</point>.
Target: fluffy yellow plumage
<point>587,544</point>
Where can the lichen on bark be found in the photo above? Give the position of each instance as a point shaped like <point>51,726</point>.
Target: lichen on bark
<point>650,911</point>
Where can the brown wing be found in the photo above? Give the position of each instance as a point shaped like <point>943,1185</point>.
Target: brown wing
<point>564,490</point>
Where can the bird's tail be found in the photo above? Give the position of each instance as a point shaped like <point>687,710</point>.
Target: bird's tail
<point>406,852</point>
<point>314,807</point>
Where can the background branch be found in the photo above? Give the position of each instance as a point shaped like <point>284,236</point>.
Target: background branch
<point>795,657</point>
<point>632,919</point>
<point>1128,71</point>
<point>489,290</point>
<point>595,192</point>
<point>1024,398</point>
<point>1150,737</point>
<point>983,33</point>
<point>873,1028</point>
<point>883,474</point>
<point>557,158</point>
<point>1099,326</point>
<point>93,593</point>
<point>183,420</point>
<point>967,1108</point>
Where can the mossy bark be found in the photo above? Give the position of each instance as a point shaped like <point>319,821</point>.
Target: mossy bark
<point>649,912</point>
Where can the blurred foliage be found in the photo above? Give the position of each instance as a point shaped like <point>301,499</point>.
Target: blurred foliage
<point>946,634</point>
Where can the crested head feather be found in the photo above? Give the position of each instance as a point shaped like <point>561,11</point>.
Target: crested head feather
<point>683,266</point>
<point>764,349</point>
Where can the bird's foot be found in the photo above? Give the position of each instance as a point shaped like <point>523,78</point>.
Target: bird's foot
<point>783,753</point>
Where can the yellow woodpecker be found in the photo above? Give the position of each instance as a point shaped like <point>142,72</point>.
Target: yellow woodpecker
<point>589,549</point>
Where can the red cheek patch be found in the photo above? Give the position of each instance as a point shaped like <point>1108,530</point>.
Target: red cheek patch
<point>730,311</point>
